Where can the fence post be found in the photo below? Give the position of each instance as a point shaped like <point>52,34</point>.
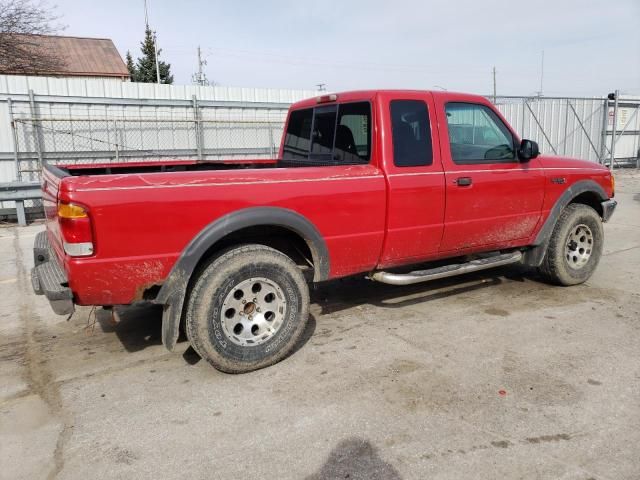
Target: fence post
<point>605,118</point>
<point>566,127</point>
<point>14,137</point>
<point>115,140</point>
<point>271,144</point>
<point>524,101</point>
<point>613,132</point>
<point>37,130</point>
<point>196,120</point>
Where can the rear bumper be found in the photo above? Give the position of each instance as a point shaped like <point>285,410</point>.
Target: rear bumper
<point>608,207</point>
<point>48,277</point>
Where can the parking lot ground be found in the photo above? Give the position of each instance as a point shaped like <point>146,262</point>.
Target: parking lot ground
<point>484,376</point>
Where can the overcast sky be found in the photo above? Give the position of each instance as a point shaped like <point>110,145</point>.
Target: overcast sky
<point>590,47</point>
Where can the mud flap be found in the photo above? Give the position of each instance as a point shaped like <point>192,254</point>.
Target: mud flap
<point>171,314</point>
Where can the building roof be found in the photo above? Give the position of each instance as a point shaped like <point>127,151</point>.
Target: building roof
<point>79,56</point>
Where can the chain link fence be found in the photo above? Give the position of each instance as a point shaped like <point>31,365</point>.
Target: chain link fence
<point>103,140</point>
<point>81,130</point>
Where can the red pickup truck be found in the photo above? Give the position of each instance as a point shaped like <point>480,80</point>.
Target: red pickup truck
<point>370,182</point>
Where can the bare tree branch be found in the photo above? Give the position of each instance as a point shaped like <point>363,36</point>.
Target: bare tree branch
<point>22,50</point>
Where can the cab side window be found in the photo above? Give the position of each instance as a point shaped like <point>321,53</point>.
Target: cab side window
<point>477,135</point>
<point>411,133</point>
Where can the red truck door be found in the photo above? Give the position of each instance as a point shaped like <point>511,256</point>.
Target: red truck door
<point>415,178</point>
<point>492,198</point>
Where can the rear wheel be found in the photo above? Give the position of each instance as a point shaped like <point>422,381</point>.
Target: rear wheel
<point>575,246</point>
<point>247,309</point>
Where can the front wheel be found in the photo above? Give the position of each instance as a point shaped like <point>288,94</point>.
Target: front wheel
<point>247,309</point>
<point>575,246</point>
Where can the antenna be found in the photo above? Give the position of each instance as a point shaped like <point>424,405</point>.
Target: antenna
<point>321,87</point>
<point>200,78</point>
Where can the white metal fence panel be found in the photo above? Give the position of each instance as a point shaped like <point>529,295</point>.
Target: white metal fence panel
<point>561,126</point>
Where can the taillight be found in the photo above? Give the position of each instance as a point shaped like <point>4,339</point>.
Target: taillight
<point>613,186</point>
<point>75,226</point>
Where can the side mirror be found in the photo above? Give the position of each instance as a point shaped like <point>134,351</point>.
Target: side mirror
<point>528,150</point>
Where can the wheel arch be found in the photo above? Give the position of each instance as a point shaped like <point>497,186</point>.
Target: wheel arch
<point>587,192</point>
<point>261,223</point>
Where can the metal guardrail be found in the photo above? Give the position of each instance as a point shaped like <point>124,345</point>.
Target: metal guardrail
<point>18,192</point>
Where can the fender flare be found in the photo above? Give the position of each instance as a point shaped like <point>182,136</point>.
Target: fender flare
<point>173,291</point>
<point>535,255</point>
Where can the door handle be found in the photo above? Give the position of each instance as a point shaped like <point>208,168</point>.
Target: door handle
<point>463,181</point>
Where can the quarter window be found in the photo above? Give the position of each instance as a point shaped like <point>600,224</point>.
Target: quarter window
<point>477,135</point>
<point>411,133</point>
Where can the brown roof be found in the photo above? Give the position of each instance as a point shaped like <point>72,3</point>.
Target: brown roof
<point>87,57</point>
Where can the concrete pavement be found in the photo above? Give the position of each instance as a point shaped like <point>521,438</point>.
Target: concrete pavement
<point>484,376</point>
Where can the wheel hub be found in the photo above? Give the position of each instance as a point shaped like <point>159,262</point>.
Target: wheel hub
<point>253,311</point>
<point>579,246</point>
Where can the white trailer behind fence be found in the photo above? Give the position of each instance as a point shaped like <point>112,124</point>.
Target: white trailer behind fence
<point>66,120</point>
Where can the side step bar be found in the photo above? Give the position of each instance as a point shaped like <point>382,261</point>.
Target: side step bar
<point>447,270</point>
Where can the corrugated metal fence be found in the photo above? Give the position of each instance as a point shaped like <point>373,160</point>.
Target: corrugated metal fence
<point>93,120</point>
<point>578,127</point>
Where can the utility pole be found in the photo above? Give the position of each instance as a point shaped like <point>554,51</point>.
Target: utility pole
<point>494,85</point>
<point>541,74</point>
<point>321,87</point>
<point>155,40</point>
<point>155,49</point>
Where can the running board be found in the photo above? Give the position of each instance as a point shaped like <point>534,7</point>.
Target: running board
<point>447,271</point>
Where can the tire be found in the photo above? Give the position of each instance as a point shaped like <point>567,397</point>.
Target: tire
<point>575,246</point>
<point>247,309</point>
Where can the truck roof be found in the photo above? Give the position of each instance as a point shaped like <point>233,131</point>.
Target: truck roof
<point>370,94</point>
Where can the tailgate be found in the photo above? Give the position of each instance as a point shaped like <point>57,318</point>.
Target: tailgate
<point>51,180</point>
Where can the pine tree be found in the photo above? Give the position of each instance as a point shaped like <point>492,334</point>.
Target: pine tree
<point>133,71</point>
<point>145,70</point>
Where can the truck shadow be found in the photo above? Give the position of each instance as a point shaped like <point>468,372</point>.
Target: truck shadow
<point>347,293</point>
<point>139,326</point>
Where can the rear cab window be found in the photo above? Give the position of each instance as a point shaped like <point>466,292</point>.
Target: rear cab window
<point>329,135</point>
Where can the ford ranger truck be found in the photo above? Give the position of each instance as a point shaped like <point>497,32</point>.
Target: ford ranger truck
<point>374,183</point>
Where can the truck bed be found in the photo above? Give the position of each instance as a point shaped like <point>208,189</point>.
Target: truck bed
<point>143,215</point>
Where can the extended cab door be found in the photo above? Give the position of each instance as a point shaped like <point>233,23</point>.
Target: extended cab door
<point>493,200</point>
<point>415,178</point>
